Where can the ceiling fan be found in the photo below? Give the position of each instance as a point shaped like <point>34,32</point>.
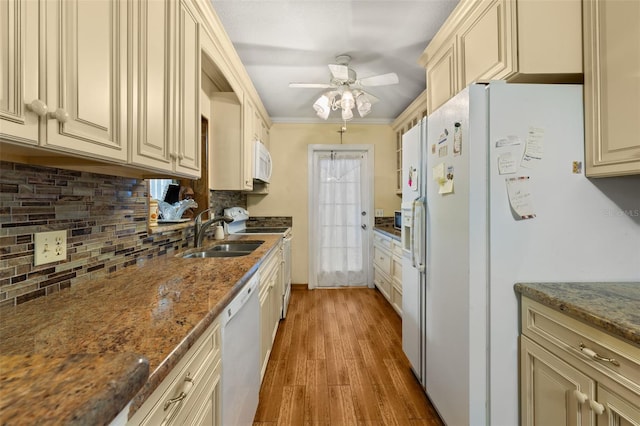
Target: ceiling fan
<point>347,91</point>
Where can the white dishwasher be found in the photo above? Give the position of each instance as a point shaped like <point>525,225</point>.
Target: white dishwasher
<point>241,356</point>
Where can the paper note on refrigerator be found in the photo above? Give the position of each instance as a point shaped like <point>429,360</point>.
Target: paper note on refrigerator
<point>534,148</point>
<point>518,189</point>
<point>507,163</point>
<point>438,173</point>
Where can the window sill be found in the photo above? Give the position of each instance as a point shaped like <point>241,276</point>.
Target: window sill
<point>167,227</point>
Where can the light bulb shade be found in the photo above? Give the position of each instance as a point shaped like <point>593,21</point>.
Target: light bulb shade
<point>347,114</point>
<point>347,101</point>
<point>322,107</point>
<point>363,104</point>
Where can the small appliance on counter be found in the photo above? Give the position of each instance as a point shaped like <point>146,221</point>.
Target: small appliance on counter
<point>397,220</point>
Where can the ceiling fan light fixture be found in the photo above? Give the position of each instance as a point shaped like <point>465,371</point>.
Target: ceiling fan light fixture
<point>363,104</point>
<point>322,107</point>
<point>347,101</point>
<point>347,114</point>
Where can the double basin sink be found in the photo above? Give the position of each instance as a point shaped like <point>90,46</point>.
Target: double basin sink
<point>231,249</point>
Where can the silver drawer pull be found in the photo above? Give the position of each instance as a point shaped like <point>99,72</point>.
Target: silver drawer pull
<point>594,355</point>
<point>186,387</point>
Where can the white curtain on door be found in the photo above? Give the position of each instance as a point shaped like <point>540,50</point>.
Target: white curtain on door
<point>340,259</point>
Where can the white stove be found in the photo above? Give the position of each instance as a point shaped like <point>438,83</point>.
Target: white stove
<point>239,227</point>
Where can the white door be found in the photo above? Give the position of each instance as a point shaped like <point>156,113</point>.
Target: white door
<point>340,223</point>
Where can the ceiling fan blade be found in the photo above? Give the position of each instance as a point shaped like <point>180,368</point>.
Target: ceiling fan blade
<point>339,72</point>
<point>380,80</point>
<point>311,85</point>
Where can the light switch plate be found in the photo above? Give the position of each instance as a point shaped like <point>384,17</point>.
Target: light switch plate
<point>379,212</point>
<point>49,247</point>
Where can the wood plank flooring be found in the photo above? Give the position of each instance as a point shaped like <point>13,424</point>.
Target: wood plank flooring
<point>337,360</point>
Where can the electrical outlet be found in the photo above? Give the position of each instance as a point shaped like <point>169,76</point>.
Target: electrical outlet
<point>49,247</point>
<point>379,212</point>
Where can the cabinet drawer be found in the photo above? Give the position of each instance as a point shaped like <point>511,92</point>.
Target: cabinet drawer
<point>381,241</point>
<point>382,283</point>
<point>570,336</point>
<point>198,361</point>
<point>382,260</point>
<point>396,249</point>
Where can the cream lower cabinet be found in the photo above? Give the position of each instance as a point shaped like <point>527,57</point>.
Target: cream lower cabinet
<point>561,382</point>
<point>270,305</point>
<point>197,377</point>
<point>387,269</point>
<point>612,87</point>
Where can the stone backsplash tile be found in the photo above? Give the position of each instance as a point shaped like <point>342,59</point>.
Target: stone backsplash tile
<point>105,219</point>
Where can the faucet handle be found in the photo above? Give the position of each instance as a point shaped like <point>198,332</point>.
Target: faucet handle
<point>199,216</point>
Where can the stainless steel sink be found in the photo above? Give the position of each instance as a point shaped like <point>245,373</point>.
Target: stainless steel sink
<point>237,247</point>
<point>234,249</point>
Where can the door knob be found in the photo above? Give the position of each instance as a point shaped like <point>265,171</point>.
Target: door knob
<point>363,226</point>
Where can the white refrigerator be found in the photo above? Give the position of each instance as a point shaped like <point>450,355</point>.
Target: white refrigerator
<point>507,201</point>
<point>413,245</point>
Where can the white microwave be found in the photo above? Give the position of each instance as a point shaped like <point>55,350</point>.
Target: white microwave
<point>261,162</point>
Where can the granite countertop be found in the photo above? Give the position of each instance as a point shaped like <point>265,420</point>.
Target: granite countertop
<point>611,306</point>
<point>99,340</point>
<point>389,231</point>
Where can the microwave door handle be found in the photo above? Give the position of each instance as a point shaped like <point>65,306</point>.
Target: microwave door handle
<point>269,167</point>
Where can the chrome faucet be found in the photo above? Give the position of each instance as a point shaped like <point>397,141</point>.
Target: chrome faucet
<point>199,228</point>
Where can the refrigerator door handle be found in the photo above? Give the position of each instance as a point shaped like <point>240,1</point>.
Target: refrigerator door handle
<point>412,246</point>
<point>418,220</point>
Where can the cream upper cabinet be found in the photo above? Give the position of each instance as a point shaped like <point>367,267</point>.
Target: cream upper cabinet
<point>248,140</point>
<point>166,82</point>
<point>19,71</point>
<point>612,87</point>
<point>188,91</point>
<point>408,118</point>
<point>515,40</point>
<point>442,80</point>
<point>86,77</point>
<point>152,143</point>
<point>231,144</point>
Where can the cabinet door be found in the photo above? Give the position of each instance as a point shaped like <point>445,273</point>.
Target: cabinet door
<point>265,335</point>
<point>486,43</point>
<point>247,145</point>
<point>151,83</point>
<point>19,72</point>
<point>617,410</point>
<point>86,60</point>
<point>611,87</point>
<point>442,82</point>
<point>188,149</point>
<point>551,390</point>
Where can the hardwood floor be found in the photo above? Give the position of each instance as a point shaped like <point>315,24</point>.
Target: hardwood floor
<point>337,360</point>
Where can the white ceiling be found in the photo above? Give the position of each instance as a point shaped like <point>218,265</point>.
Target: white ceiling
<point>283,41</point>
